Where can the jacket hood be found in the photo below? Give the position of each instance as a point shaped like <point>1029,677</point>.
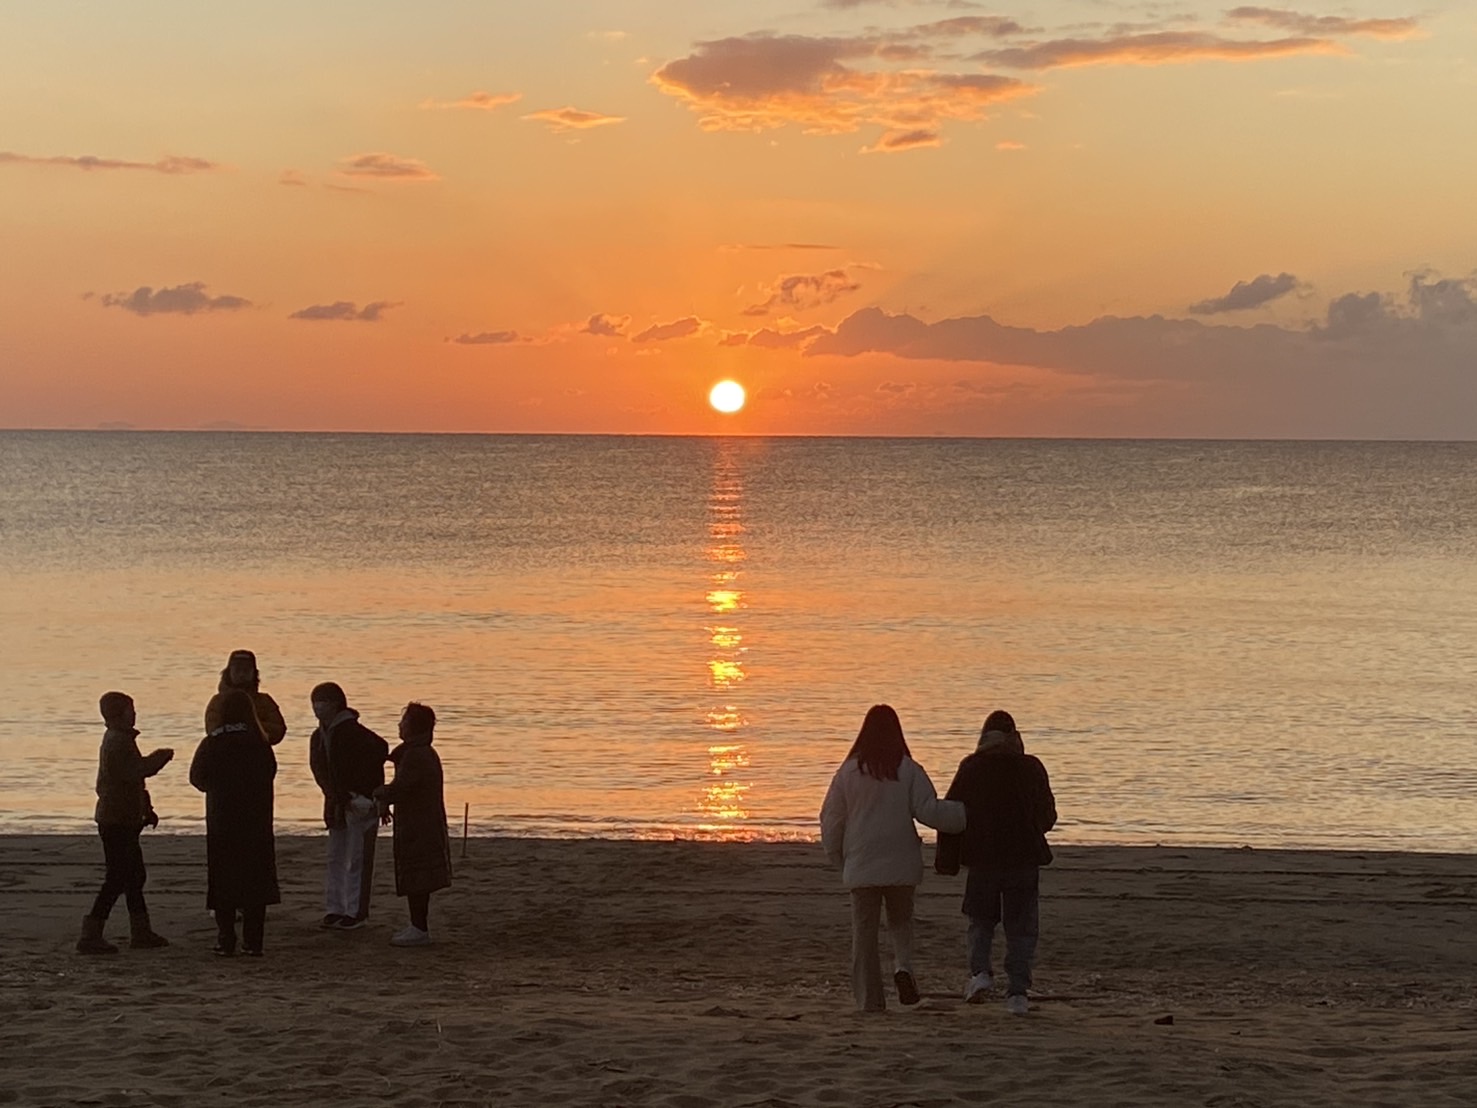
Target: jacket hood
<point>224,685</point>
<point>343,715</point>
<point>411,743</point>
<point>1000,742</point>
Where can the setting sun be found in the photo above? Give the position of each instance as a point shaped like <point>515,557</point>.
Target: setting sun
<point>727,396</point>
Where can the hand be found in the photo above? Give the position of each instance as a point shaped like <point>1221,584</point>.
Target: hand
<point>152,819</point>
<point>385,817</point>
<point>168,753</point>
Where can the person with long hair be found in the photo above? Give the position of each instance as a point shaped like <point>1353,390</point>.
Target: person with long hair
<point>868,832</point>
<point>234,767</point>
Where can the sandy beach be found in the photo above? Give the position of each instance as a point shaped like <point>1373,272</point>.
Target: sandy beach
<point>691,974</point>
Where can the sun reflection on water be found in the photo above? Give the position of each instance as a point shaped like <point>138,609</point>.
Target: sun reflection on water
<point>721,805</point>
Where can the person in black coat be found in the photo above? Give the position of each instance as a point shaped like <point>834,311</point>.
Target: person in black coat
<point>422,846</point>
<point>234,767</point>
<point>1009,808</point>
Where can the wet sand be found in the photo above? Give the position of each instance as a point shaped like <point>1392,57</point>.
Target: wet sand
<point>689,975</point>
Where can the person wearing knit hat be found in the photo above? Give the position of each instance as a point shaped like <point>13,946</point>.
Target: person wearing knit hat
<point>241,673</point>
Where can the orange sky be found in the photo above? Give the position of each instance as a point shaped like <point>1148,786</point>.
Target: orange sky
<point>904,217</point>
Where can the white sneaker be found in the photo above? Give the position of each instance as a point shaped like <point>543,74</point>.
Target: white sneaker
<point>978,988</point>
<point>1017,1004</point>
<point>411,936</point>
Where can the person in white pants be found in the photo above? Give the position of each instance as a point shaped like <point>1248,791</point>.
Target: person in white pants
<point>867,832</point>
<point>348,762</point>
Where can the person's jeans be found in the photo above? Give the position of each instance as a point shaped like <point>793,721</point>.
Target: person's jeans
<point>1011,897</point>
<point>866,963</point>
<point>350,869</point>
<point>124,874</point>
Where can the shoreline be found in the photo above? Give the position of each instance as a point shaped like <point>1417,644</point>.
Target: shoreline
<point>695,974</point>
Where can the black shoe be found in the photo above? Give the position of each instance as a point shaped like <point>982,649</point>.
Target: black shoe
<point>223,951</point>
<point>907,988</point>
<point>250,953</point>
<point>330,921</point>
<point>351,923</point>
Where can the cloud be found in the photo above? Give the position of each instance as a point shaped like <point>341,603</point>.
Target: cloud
<point>803,291</point>
<point>765,81</point>
<point>474,101</point>
<point>561,120</point>
<point>390,167</point>
<point>735,247</point>
<point>293,177</point>
<point>666,332</point>
<point>895,388</point>
<point>489,338</point>
<point>1375,365</point>
<point>189,299</point>
<point>1151,48</point>
<point>346,311</point>
<point>171,166</point>
<point>1009,146</point>
<point>610,326</point>
<point>893,142</point>
<point>1245,295</point>
<point>767,338</point>
<point>1298,23</point>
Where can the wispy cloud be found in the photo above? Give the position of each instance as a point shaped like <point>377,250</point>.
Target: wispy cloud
<point>173,165</point>
<point>390,167</point>
<point>738,246</point>
<point>1245,295</point>
<point>474,101</point>
<point>560,120</point>
<point>346,311</point>
<point>293,177</point>
<point>895,142</point>
<point>1302,24</point>
<point>489,338</point>
<point>803,291</point>
<point>769,338</point>
<point>1152,48</point>
<point>188,299</point>
<point>666,332</point>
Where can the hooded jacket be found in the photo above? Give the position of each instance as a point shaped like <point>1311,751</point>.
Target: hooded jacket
<point>122,800</point>
<point>867,824</point>
<point>274,727</point>
<point>347,759</point>
<point>1010,806</point>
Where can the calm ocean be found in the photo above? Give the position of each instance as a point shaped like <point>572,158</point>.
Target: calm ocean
<point>1213,643</point>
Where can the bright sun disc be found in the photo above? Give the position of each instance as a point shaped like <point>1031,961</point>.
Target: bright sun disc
<point>727,396</point>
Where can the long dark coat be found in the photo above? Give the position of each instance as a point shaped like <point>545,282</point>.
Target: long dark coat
<point>234,769</point>
<point>422,846</point>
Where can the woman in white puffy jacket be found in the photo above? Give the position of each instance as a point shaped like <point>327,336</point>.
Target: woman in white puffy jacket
<point>867,831</point>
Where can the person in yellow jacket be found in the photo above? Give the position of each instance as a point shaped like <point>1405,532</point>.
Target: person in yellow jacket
<point>241,673</point>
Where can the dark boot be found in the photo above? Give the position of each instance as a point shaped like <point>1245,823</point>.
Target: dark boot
<point>143,936</point>
<point>92,941</point>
